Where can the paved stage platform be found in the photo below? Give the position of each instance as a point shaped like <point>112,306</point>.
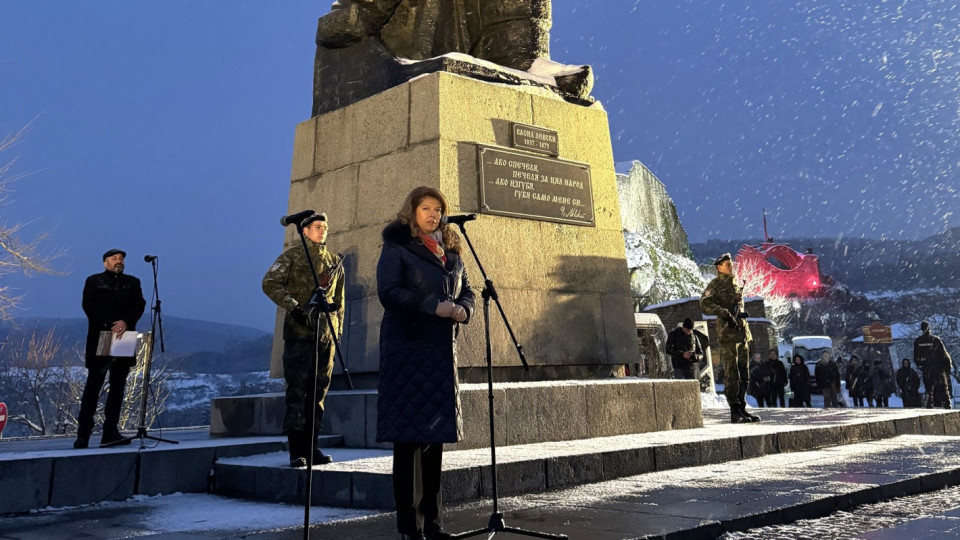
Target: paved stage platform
<point>810,463</point>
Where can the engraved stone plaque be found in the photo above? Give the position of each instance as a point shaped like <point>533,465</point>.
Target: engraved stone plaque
<point>535,139</point>
<point>521,185</point>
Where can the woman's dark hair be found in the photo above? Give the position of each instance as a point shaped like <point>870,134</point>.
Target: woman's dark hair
<point>795,357</point>
<point>408,212</point>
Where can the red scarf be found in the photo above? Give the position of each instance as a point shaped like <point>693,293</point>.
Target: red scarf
<point>434,247</point>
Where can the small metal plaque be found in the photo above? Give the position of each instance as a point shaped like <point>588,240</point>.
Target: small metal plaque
<point>521,185</point>
<point>535,139</point>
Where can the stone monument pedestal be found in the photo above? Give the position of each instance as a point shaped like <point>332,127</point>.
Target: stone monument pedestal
<point>563,286</point>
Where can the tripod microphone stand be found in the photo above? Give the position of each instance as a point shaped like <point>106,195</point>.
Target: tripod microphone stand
<point>318,302</point>
<point>496,523</point>
<point>156,324</point>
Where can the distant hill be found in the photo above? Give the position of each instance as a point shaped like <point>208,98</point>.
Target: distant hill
<point>865,264</point>
<point>192,345</point>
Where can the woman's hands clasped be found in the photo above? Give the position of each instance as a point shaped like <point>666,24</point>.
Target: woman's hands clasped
<point>449,310</point>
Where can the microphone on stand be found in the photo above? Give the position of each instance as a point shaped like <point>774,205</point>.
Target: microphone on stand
<point>295,219</point>
<point>149,258</point>
<point>459,220</point>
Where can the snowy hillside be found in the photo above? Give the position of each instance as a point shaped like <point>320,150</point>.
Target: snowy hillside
<point>661,268</point>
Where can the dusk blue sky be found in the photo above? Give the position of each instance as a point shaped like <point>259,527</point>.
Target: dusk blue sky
<point>167,127</point>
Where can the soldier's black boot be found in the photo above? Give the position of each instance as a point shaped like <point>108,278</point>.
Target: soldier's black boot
<point>319,458</point>
<point>749,417</point>
<point>736,417</point>
<point>295,446</point>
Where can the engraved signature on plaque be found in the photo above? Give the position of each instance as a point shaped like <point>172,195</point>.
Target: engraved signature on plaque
<point>534,187</point>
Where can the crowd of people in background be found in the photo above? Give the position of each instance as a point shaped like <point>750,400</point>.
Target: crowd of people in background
<point>868,384</point>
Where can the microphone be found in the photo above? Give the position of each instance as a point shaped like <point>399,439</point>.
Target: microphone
<point>459,220</point>
<point>149,258</point>
<point>295,219</point>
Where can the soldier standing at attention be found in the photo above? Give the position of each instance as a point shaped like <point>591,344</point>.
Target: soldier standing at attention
<point>724,299</point>
<point>289,283</point>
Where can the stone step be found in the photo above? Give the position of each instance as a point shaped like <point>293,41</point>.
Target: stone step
<point>37,473</point>
<point>362,478</point>
<point>707,501</point>
<point>526,412</point>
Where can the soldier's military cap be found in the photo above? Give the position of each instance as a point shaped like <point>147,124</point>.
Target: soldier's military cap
<point>719,260</point>
<point>316,216</point>
<point>112,252</point>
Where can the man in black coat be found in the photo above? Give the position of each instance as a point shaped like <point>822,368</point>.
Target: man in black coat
<point>827,375</point>
<point>685,351</point>
<point>761,380</point>
<point>935,362</point>
<point>909,383</point>
<point>779,382</point>
<point>113,301</point>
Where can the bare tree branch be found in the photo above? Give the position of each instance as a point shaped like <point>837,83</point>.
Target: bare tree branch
<point>15,253</point>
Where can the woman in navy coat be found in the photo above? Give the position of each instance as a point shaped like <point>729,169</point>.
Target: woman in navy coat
<point>423,286</point>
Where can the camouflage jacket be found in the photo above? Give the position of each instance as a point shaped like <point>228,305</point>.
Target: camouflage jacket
<point>289,283</point>
<point>724,299</point>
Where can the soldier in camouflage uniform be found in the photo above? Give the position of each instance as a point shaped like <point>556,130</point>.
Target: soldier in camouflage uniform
<point>289,283</point>
<point>724,299</point>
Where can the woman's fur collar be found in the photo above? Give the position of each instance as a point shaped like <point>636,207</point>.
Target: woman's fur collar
<point>397,232</point>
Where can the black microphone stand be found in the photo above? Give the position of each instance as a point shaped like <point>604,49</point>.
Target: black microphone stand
<point>318,301</point>
<point>496,523</point>
<point>156,325</point>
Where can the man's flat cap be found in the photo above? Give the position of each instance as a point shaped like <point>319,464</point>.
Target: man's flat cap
<point>113,252</point>
<point>719,260</point>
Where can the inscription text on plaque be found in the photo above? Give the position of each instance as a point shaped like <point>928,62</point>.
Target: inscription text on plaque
<point>522,185</point>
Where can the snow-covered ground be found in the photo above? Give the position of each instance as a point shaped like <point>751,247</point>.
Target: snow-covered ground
<point>201,512</point>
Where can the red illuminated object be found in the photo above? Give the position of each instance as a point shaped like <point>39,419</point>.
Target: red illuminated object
<point>792,273</point>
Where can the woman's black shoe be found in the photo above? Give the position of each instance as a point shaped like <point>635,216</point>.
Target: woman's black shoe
<point>436,532</point>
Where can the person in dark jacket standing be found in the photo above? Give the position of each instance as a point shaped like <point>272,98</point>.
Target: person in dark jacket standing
<point>423,286</point>
<point>761,380</point>
<point>935,362</point>
<point>723,298</point>
<point>852,377</point>
<point>289,283</point>
<point>685,351</point>
<point>827,375</point>
<point>881,385</point>
<point>909,383</point>
<point>779,381</point>
<point>800,382</point>
<point>865,382</point>
<point>112,301</point>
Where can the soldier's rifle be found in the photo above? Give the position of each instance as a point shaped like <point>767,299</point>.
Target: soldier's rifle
<point>318,304</point>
